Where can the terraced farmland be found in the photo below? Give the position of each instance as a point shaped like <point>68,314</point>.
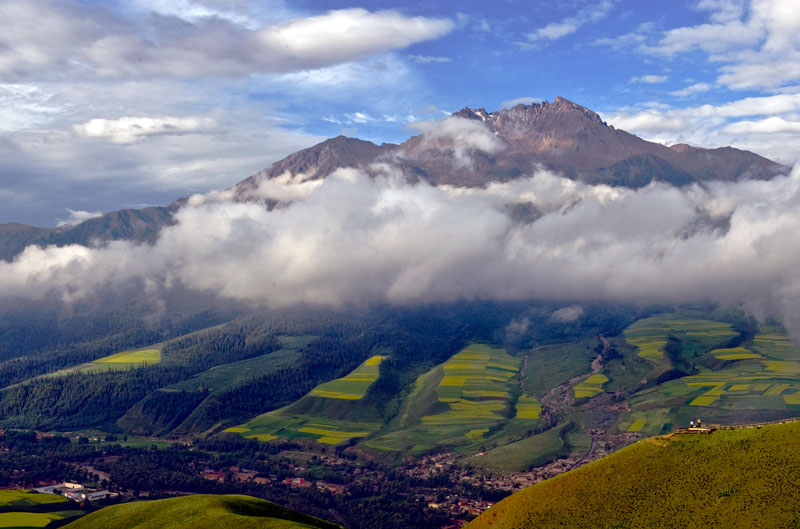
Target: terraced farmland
<point>650,334</point>
<point>590,387</point>
<point>355,385</point>
<point>528,408</point>
<point>335,412</point>
<point>459,402</point>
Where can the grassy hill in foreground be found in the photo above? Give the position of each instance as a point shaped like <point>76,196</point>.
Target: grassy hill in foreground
<point>732,478</point>
<point>201,511</point>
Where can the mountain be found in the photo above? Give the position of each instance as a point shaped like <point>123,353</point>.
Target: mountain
<point>200,512</point>
<point>130,224</point>
<point>561,136</point>
<point>731,478</point>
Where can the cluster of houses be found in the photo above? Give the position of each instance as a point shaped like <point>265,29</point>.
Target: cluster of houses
<point>76,492</point>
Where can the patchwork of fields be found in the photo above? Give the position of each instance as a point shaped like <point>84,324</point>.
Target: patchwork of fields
<point>463,402</point>
<point>317,416</point>
<point>650,334</point>
<point>760,381</point>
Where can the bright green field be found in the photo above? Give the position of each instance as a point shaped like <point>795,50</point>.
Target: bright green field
<point>332,413</point>
<point>25,520</point>
<point>20,498</point>
<point>590,387</point>
<point>201,511</point>
<point>116,362</point>
<point>762,382</point>
<point>733,479</point>
<point>528,408</point>
<point>650,334</point>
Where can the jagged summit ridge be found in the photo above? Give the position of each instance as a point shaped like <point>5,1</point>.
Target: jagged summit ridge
<point>561,136</point>
<point>529,113</point>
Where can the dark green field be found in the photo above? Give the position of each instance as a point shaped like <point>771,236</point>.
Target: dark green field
<point>734,479</point>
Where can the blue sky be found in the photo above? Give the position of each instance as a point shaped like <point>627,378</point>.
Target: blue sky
<point>105,105</point>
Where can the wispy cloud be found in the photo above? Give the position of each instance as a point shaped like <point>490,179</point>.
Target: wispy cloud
<point>520,101</point>
<point>569,25</point>
<point>696,88</point>
<point>427,59</point>
<point>650,79</point>
<point>77,217</point>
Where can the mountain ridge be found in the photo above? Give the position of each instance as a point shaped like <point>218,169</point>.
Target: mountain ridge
<point>561,136</point>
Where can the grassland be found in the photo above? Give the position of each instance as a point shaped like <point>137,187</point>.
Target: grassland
<point>200,512</point>
<point>550,365</point>
<point>755,383</point>
<point>650,334</point>
<point>735,479</point>
<point>333,413</point>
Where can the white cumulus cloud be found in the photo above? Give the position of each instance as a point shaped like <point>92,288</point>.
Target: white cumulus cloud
<point>132,129</point>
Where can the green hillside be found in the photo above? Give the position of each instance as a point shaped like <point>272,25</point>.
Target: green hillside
<point>201,511</point>
<point>732,478</point>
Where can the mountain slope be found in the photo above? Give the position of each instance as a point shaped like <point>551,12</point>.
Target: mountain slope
<point>200,512</point>
<point>731,478</point>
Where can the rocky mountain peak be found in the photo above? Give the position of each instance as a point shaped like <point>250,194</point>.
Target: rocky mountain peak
<point>561,136</point>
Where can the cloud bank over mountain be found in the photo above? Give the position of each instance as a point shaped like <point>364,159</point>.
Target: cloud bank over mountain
<point>352,239</point>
